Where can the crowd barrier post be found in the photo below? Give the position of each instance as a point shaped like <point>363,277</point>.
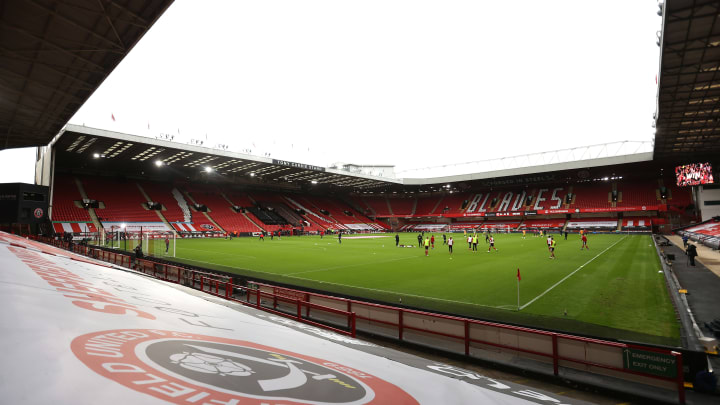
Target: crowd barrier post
<point>400,324</point>
<point>556,360</point>
<point>352,324</point>
<point>467,337</point>
<point>680,376</point>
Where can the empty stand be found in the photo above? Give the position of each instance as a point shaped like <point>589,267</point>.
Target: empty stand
<point>596,196</point>
<point>222,213</point>
<point>402,206</point>
<point>636,222</point>
<point>379,205</point>
<point>680,196</point>
<point>65,193</point>
<point>453,203</point>
<point>427,205</point>
<point>122,199</point>
<point>163,193</point>
<point>637,194</point>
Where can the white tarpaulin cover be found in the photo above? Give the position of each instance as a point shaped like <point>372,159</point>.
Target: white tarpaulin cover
<point>75,332</point>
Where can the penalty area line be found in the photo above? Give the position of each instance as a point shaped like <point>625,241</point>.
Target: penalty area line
<point>569,275</point>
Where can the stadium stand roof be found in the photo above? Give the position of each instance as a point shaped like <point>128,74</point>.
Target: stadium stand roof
<point>82,147</point>
<point>688,115</point>
<point>54,54</point>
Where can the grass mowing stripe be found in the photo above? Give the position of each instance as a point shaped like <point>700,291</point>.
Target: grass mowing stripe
<point>213,252</point>
<point>407,295</point>
<point>351,265</point>
<point>568,276</point>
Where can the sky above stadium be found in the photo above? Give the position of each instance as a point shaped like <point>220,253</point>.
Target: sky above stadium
<point>406,82</point>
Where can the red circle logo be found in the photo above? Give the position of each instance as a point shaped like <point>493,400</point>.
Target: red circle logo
<point>38,213</point>
<point>187,368</point>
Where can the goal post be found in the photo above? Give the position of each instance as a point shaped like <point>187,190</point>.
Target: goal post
<point>159,244</point>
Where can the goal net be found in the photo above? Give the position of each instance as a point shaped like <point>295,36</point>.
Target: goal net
<point>154,244</point>
<point>159,244</point>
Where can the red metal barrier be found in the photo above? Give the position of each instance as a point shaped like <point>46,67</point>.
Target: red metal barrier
<point>278,298</point>
<point>467,340</point>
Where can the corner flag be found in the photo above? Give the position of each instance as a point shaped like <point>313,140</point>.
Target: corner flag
<point>518,288</point>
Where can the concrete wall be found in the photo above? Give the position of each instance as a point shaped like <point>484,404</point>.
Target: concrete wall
<point>706,194</point>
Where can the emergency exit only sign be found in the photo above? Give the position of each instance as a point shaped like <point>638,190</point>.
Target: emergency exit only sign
<point>659,364</point>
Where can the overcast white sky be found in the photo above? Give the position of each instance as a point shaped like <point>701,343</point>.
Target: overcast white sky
<point>407,82</point>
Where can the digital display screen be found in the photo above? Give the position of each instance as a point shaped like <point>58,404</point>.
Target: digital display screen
<point>694,174</point>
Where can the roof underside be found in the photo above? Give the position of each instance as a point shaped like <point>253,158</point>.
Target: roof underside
<point>54,54</point>
<point>689,94</point>
<point>77,148</point>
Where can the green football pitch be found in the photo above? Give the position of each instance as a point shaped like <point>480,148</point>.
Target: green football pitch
<point>613,290</point>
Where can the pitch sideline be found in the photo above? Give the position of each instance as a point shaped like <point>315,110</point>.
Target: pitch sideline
<point>400,294</point>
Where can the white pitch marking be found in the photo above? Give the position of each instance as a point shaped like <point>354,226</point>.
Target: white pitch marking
<point>574,271</point>
<point>413,295</point>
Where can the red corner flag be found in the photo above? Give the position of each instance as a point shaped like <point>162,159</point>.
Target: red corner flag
<point>112,116</point>
<point>518,276</point>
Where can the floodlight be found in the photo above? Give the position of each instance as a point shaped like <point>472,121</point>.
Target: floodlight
<point>158,163</point>
<point>314,182</point>
<point>252,174</point>
<point>96,155</point>
<point>122,225</point>
<point>208,169</point>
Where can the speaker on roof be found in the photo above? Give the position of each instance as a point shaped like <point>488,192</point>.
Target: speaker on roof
<point>464,204</point>
<point>663,192</point>
<point>568,198</point>
<point>155,206</point>
<point>614,196</point>
<point>528,200</point>
<point>90,204</point>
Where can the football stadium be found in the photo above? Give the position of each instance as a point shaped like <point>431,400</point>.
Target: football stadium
<point>142,268</point>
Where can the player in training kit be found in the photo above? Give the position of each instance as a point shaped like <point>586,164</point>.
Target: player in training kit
<point>469,240</point>
<point>523,234</point>
<point>584,242</point>
<point>491,241</point>
<point>450,245</point>
<point>432,241</point>
<point>474,242</point>
<point>549,243</point>
<point>427,246</point>
<point>167,244</point>
<point>444,239</point>
<point>262,236</point>
<point>552,247</point>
